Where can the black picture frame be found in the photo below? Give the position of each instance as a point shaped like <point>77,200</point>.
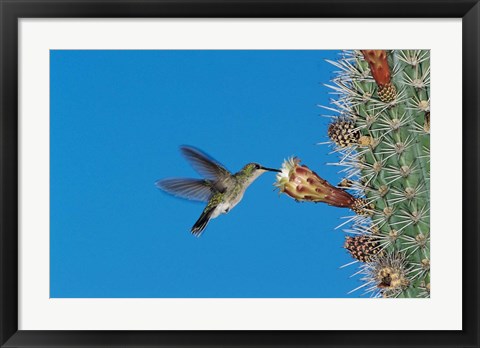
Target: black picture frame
<point>11,11</point>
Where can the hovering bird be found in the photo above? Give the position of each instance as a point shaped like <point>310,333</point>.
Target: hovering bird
<point>220,188</point>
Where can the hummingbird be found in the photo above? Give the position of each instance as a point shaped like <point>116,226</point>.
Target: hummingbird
<point>220,188</point>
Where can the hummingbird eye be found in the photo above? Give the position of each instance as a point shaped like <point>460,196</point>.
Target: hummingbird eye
<point>257,166</point>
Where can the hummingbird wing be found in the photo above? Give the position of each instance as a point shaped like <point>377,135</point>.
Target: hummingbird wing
<point>193,189</point>
<point>208,167</point>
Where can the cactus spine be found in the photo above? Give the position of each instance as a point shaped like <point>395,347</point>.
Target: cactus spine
<point>381,131</point>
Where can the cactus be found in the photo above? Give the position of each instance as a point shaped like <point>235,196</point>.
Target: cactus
<point>383,101</point>
<point>381,133</point>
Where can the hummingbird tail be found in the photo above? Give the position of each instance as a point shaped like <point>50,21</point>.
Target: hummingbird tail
<point>202,222</point>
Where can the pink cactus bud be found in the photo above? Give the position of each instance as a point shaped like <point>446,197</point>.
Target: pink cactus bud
<point>303,184</point>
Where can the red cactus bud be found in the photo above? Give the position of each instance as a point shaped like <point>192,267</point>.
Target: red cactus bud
<point>377,60</point>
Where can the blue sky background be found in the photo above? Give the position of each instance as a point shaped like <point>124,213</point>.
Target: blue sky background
<point>117,120</point>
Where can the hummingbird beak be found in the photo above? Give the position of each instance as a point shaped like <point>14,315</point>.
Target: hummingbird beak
<point>271,169</point>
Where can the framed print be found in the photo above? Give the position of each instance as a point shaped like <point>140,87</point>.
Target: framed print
<point>239,173</point>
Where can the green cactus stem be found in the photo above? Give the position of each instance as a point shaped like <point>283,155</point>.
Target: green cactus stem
<point>382,133</point>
